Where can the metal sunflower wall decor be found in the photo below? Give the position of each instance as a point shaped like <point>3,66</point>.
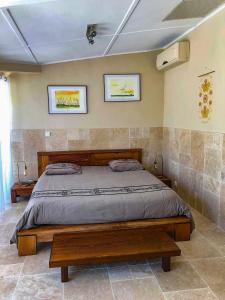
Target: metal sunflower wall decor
<point>205,96</point>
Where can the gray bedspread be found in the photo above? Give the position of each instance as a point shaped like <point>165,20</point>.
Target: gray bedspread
<point>99,195</point>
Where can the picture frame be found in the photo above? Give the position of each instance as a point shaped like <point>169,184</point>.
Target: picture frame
<point>122,87</point>
<point>67,99</point>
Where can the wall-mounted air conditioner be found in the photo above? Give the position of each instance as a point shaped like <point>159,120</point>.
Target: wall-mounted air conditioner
<point>173,56</point>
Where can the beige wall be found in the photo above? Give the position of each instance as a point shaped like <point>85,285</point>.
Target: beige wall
<point>194,151</point>
<point>182,83</point>
<point>30,101</point>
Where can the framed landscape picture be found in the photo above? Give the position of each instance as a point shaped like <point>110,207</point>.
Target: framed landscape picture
<point>122,87</point>
<point>67,99</point>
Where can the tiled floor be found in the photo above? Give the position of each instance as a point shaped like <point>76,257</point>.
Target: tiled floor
<point>198,274</point>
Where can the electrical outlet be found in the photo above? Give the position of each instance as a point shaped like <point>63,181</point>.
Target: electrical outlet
<point>47,133</point>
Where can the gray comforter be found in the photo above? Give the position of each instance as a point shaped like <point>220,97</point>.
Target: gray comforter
<point>99,195</point>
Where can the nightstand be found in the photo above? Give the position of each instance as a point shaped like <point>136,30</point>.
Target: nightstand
<point>165,180</point>
<point>21,189</point>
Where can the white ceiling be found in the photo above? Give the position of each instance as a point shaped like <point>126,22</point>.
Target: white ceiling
<point>47,31</point>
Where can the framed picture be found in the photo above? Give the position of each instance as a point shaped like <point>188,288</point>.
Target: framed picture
<point>122,87</point>
<point>67,99</point>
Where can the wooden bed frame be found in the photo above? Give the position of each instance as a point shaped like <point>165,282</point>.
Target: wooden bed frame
<point>177,227</point>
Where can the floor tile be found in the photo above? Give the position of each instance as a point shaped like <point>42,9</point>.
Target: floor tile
<point>179,258</point>
<point>9,255</point>
<point>36,287</point>
<point>6,234</point>
<point>154,261</point>
<point>201,222</point>
<point>7,287</point>
<point>10,270</point>
<point>173,259</point>
<point>198,247</point>
<point>198,294</point>
<point>195,234</point>
<point>137,289</point>
<point>137,262</point>
<point>181,277</point>
<point>212,270</point>
<point>118,264</point>
<point>87,267</point>
<point>88,284</point>
<point>119,273</point>
<point>191,274</point>
<point>2,228</point>
<point>140,271</point>
<point>215,236</point>
<point>37,264</point>
<point>10,216</point>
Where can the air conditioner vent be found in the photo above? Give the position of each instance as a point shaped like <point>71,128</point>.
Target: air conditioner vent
<point>173,56</point>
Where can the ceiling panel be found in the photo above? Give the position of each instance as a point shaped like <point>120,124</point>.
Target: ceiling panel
<point>8,39</point>
<point>149,13</point>
<point>71,50</point>
<point>66,20</point>
<point>15,55</point>
<point>193,9</point>
<point>177,23</point>
<point>55,30</point>
<point>146,40</point>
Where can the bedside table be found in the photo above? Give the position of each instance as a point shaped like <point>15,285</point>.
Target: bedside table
<point>20,189</point>
<point>165,180</point>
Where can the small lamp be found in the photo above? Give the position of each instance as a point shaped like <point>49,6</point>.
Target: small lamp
<point>156,162</point>
<point>18,169</point>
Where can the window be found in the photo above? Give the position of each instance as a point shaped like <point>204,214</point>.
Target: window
<point>5,149</point>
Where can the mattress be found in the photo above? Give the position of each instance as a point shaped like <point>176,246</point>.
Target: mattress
<point>99,195</point>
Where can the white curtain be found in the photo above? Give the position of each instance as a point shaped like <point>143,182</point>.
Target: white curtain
<point>5,149</point>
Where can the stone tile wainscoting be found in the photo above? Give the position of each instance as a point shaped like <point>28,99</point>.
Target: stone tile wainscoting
<point>195,161</point>
<point>26,143</point>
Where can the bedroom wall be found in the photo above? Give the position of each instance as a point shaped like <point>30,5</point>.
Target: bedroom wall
<point>107,125</point>
<point>29,94</point>
<point>194,150</point>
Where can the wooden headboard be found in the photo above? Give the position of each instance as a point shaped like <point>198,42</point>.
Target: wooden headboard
<point>86,157</point>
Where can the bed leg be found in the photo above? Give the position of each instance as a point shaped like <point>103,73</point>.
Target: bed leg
<point>27,245</point>
<point>182,232</point>
<point>64,274</point>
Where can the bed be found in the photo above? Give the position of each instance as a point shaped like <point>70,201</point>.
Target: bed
<point>98,200</point>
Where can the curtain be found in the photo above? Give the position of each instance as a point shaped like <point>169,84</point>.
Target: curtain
<point>5,149</point>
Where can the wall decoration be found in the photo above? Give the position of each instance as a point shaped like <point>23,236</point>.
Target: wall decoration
<point>122,87</point>
<point>69,99</point>
<point>205,96</point>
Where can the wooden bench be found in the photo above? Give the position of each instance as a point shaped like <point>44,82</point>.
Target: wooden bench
<point>69,249</point>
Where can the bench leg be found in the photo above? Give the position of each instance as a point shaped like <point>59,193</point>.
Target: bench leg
<point>64,274</point>
<point>166,264</point>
